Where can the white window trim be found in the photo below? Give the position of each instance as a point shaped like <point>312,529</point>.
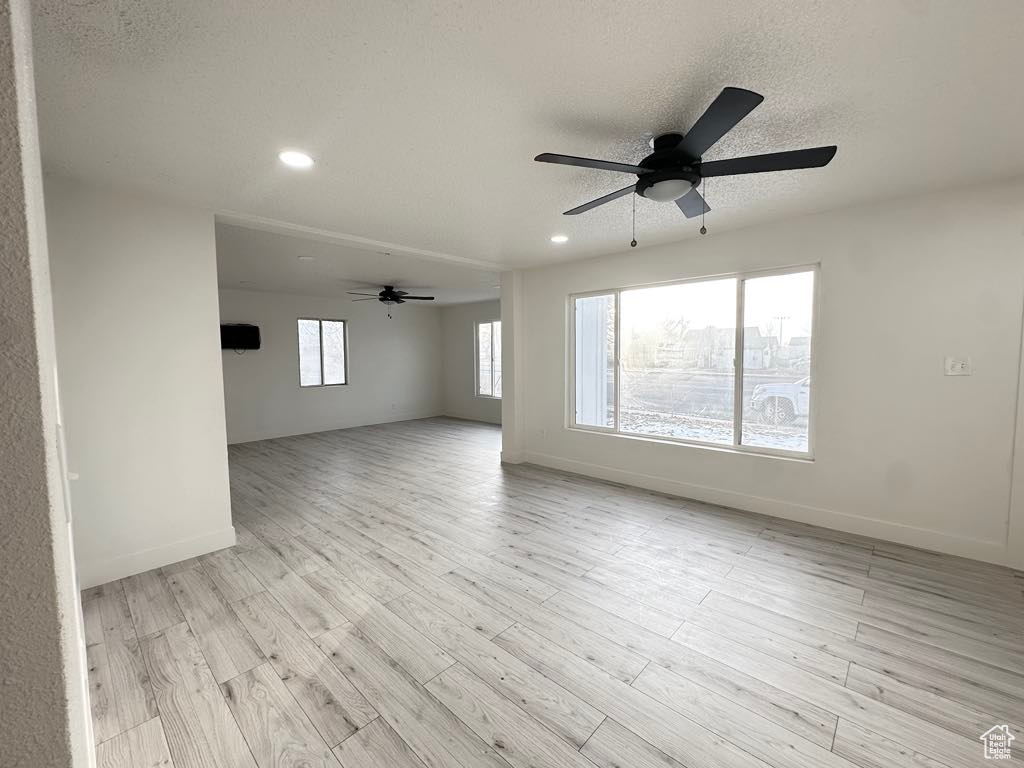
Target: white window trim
<point>298,354</point>
<point>476,358</point>
<point>736,446</point>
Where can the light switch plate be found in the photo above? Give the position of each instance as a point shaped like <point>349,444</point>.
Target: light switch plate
<point>958,366</point>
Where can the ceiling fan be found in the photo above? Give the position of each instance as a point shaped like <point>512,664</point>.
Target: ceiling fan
<point>390,296</point>
<point>674,170</point>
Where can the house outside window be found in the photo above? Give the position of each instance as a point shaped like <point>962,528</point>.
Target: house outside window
<point>661,362</point>
<point>323,352</point>
<point>488,359</point>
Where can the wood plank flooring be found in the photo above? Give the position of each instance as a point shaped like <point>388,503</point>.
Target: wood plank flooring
<point>398,598</point>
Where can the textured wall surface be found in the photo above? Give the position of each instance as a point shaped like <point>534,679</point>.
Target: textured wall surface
<point>41,696</point>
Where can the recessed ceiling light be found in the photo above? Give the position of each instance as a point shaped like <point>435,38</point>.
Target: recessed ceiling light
<point>305,258</point>
<point>295,159</point>
<point>559,238</point>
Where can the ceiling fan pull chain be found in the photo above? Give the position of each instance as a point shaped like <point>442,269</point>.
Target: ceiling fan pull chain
<point>632,243</point>
<point>704,208</point>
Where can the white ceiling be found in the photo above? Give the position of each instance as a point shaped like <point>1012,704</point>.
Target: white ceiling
<point>424,117</point>
<point>259,260</point>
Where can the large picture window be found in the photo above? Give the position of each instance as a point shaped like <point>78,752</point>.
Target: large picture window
<point>662,361</point>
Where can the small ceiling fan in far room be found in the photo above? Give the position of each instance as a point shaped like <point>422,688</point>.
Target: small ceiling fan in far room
<point>675,169</point>
<point>389,296</point>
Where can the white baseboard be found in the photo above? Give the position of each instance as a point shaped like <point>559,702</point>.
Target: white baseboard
<point>91,574</point>
<point>512,457</point>
<point>922,538</point>
<point>367,421</point>
<point>471,419</point>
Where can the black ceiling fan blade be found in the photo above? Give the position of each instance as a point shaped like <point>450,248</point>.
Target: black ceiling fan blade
<point>728,108</point>
<point>372,298</point>
<point>692,204</point>
<point>586,162</point>
<point>401,293</point>
<point>600,201</point>
<point>776,161</point>
<point>418,298</point>
<point>354,293</point>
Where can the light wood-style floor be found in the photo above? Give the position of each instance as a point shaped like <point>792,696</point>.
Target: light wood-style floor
<point>397,599</point>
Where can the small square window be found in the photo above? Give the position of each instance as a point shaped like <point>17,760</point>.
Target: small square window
<point>323,353</point>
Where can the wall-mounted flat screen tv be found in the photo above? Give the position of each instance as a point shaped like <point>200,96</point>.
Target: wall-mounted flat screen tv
<point>239,336</point>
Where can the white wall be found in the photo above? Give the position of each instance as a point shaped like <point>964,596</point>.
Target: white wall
<point>394,366</point>
<point>513,358</point>
<point>901,451</point>
<point>459,329</point>
<point>135,305</point>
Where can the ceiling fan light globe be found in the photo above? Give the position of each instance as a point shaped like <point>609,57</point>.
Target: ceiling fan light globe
<point>668,190</point>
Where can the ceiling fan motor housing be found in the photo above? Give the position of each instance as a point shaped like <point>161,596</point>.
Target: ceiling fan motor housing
<point>390,296</point>
<point>668,163</point>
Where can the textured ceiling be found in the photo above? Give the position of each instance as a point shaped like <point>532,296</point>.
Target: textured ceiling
<point>259,260</point>
<point>424,117</point>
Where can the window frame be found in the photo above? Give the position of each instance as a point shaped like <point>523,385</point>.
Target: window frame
<point>736,446</point>
<point>298,351</point>
<point>476,358</point>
